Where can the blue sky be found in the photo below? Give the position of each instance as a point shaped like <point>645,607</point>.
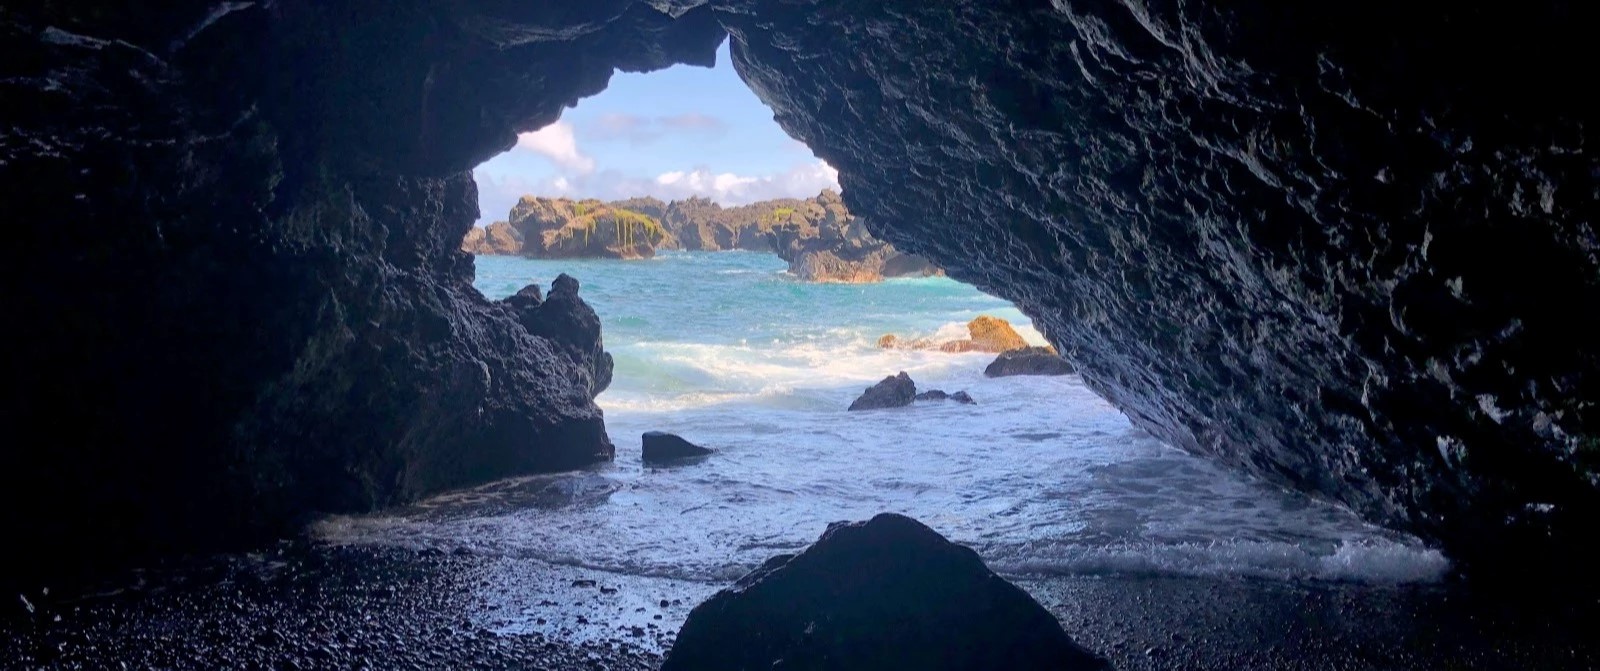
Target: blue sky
<point>671,134</point>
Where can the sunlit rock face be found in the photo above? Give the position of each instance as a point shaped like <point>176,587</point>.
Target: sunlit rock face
<point>1346,246</point>
<point>1349,247</point>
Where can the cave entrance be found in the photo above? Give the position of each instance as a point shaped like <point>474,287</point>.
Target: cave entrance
<point>717,252</point>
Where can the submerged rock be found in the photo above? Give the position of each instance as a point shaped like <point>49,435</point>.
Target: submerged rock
<point>940,395</point>
<point>659,446</point>
<point>1029,361</point>
<point>895,391</point>
<point>888,593</point>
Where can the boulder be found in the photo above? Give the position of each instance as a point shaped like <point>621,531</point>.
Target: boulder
<point>1029,361</point>
<point>888,593</point>
<point>660,446</point>
<point>993,334</point>
<point>895,391</point>
<point>940,395</point>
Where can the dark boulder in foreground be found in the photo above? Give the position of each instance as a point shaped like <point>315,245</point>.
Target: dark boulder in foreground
<point>888,593</point>
<point>895,391</point>
<point>661,446</point>
<point>940,395</point>
<point>1029,361</point>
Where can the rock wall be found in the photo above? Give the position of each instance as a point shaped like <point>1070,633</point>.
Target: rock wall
<point>1348,247</point>
<point>1345,246</point>
<point>235,274</point>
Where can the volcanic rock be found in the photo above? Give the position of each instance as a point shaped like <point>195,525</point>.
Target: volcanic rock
<point>888,593</point>
<point>825,243</point>
<point>1029,361</point>
<point>895,391</point>
<point>496,239</point>
<point>660,446</point>
<point>940,395</point>
<point>560,228</point>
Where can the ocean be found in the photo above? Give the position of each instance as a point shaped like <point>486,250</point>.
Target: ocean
<point>1040,476</point>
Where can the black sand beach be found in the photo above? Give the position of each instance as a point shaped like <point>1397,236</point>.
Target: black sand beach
<point>322,607</point>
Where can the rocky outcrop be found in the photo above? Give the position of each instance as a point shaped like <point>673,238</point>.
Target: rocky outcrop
<point>825,243</point>
<point>888,593</point>
<point>562,228</point>
<point>940,395</point>
<point>818,237</point>
<point>496,239</point>
<point>895,391</point>
<point>1028,361</point>
<point>660,447</point>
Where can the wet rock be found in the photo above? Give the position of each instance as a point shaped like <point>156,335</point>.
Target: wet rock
<point>1029,361</point>
<point>1161,191</point>
<point>940,395</point>
<point>984,334</point>
<point>888,593</point>
<point>895,391</point>
<point>661,447</point>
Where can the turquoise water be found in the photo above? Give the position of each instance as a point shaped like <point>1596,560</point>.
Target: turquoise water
<point>1041,476</point>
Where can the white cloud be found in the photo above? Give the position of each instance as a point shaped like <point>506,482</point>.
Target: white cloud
<point>497,195</point>
<point>642,130</point>
<point>557,143</point>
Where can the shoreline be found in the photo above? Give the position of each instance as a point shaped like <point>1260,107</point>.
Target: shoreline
<point>325,606</point>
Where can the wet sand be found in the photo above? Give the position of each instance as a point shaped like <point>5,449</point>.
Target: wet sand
<point>315,607</point>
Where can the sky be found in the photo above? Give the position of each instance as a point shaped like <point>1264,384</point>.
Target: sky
<point>680,132</point>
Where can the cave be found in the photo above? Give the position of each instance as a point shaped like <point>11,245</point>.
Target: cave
<point>1345,247</point>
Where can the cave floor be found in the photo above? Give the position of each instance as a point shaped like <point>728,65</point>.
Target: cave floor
<point>304,607</point>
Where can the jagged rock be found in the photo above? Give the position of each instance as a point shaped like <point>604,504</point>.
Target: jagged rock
<point>560,228</point>
<point>1234,214</point>
<point>262,295</point>
<point>1342,246</point>
<point>836,247</point>
<point>496,239</point>
<point>888,593</point>
<point>659,447</point>
<point>895,391</point>
<point>1029,361</point>
<point>940,395</point>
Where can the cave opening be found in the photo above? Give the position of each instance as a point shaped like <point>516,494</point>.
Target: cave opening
<point>1340,247</point>
<point>726,329</point>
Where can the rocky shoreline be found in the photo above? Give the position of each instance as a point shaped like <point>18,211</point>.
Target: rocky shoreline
<point>818,237</point>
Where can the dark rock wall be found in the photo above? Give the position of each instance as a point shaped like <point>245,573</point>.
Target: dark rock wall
<point>234,284</point>
<point>1345,246</point>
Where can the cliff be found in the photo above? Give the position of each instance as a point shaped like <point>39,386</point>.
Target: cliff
<point>497,239</point>
<point>559,228</point>
<point>823,242</point>
<point>818,237</point>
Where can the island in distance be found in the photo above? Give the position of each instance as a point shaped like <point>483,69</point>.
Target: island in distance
<point>818,237</point>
